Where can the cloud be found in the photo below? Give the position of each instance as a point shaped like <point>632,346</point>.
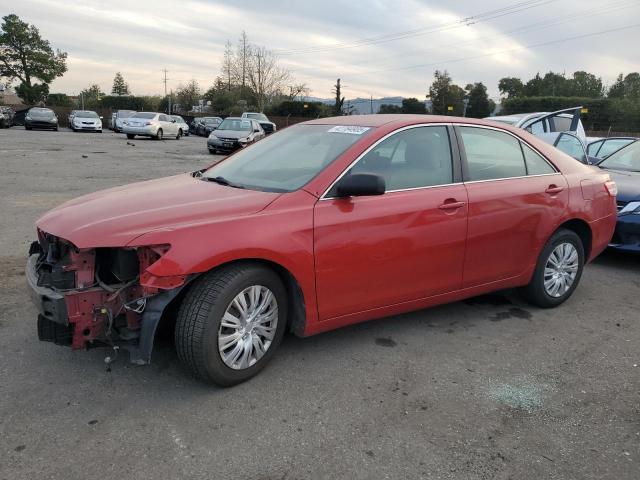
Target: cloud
<point>320,42</point>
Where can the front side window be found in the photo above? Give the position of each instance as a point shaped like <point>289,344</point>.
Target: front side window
<point>413,158</point>
<point>491,154</point>
<point>572,147</point>
<point>287,160</point>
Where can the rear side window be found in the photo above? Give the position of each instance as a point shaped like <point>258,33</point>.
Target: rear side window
<point>536,165</point>
<point>611,146</point>
<point>491,154</point>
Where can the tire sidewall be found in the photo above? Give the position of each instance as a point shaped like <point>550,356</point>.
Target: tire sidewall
<point>215,366</point>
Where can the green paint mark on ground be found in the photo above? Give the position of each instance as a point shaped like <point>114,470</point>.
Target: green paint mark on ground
<point>526,396</point>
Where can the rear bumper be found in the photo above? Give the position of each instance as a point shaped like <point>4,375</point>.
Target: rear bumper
<point>627,234</point>
<point>145,131</point>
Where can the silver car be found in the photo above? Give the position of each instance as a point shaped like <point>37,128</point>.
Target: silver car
<point>151,124</point>
<point>86,120</point>
<point>234,133</point>
<point>120,118</point>
<point>182,124</point>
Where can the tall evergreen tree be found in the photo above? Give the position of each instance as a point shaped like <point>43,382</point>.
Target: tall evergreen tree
<point>120,87</point>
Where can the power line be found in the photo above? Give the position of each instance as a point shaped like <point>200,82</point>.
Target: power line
<point>534,45</point>
<point>481,17</point>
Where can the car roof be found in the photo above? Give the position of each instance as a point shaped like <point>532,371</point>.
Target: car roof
<point>378,120</point>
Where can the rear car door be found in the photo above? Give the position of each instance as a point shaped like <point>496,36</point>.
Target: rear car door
<point>403,245</point>
<point>516,198</point>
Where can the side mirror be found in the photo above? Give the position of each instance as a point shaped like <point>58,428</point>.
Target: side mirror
<point>360,185</point>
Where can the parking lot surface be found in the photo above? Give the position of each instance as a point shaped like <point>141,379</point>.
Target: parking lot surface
<point>489,388</point>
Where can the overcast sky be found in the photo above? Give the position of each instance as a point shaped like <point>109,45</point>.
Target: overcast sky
<point>404,40</point>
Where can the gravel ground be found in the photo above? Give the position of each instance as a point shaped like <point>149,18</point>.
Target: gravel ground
<point>490,388</point>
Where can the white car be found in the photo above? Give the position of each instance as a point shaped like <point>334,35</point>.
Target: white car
<point>268,126</point>
<point>182,124</point>
<point>566,120</point>
<point>85,120</point>
<point>151,124</point>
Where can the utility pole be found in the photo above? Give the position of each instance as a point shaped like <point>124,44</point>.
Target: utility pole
<point>372,104</point>
<point>165,82</point>
<point>82,99</point>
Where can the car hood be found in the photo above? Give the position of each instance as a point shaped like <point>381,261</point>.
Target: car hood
<point>628,184</point>
<point>115,217</point>
<point>232,133</point>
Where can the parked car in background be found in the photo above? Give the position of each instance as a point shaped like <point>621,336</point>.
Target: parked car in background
<point>624,168</point>
<point>151,124</point>
<point>324,224</point>
<point>193,126</point>
<point>268,126</point>
<point>181,124</point>
<point>41,118</point>
<point>120,118</point>
<point>70,117</point>
<point>86,120</point>
<point>603,147</point>
<point>569,143</point>
<point>207,123</point>
<point>565,120</point>
<point>112,121</point>
<point>234,133</point>
<point>7,117</point>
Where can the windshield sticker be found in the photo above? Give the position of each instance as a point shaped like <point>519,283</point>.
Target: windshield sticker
<point>353,130</point>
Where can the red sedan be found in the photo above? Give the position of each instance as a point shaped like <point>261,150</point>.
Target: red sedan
<point>324,224</point>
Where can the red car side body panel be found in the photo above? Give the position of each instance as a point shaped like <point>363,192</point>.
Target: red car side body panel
<point>390,247</point>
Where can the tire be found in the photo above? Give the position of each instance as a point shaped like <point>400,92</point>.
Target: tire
<point>212,151</point>
<point>199,323</point>
<point>179,136</point>
<point>158,135</point>
<point>130,136</point>
<point>55,129</point>
<point>27,128</point>
<point>570,260</point>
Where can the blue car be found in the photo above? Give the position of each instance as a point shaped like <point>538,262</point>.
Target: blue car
<point>624,168</point>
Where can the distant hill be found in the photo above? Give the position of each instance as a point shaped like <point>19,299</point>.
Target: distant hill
<point>361,106</point>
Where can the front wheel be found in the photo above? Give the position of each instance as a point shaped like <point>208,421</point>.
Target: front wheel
<point>558,270</point>
<point>231,322</point>
<point>179,135</point>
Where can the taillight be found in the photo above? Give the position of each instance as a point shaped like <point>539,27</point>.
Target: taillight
<point>148,123</point>
<point>611,187</point>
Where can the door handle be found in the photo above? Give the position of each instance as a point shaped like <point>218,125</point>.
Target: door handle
<point>452,205</point>
<point>553,189</point>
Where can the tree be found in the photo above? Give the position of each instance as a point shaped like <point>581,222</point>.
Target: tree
<point>445,94</point>
<point>265,75</point>
<point>90,97</point>
<point>533,88</point>
<point>297,90</point>
<point>511,87</point>
<point>188,95</point>
<point>585,84</point>
<point>387,108</point>
<point>626,87</point>
<point>337,107</point>
<point>25,55</point>
<point>120,87</point>
<point>58,100</point>
<point>412,105</point>
<point>243,54</point>
<point>227,65</point>
<point>479,105</point>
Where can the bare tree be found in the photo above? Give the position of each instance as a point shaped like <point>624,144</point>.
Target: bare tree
<point>265,75</point>
<point>228,65</point>
<point>296,90</point>
<point>242,60</point>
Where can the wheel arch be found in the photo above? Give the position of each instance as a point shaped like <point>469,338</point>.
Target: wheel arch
<point>583,230</point>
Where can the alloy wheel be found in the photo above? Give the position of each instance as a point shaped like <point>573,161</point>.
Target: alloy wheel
<point>561,269</point>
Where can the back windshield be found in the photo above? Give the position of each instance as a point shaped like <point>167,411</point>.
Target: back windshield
<point>211,120</point>
<point>257,116</point>
<point>235,124</point>
<point>125,113</point>
<point>144,115</point>
<point>288,159</point>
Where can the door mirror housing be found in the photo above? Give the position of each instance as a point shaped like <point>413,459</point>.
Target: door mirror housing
<point>360,185</point>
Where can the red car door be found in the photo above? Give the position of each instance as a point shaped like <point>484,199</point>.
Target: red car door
<point>516,199</point>
<point>404,245</point>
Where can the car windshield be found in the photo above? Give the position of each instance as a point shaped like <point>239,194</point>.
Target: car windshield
<point>212,120</point>
<point>144,115</point>
<point>257,116</point>
<point>287,160</point>
<point>236,124</point>
<point>627,158</point>
<point>125,113</point>
<point>84,114</point>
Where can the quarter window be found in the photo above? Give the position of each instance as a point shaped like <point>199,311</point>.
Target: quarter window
<point>492,154</point>
<point>536,165</point>
<point>413,158</point>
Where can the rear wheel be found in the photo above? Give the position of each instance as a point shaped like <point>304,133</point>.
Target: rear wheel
<point>27,128</point>
<point>159,134</point>
<point>558,270</point>
<point>231,322</point>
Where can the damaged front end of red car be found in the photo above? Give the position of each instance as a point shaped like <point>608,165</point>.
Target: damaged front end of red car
<point>99,296</point>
